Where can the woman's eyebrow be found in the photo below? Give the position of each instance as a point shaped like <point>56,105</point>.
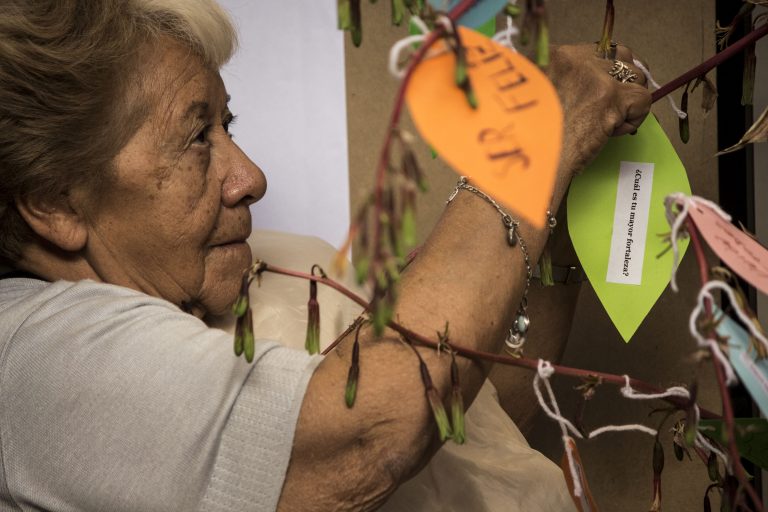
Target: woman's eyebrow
<point>197,109</point>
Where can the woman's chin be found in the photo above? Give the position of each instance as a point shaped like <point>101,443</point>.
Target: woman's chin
<point>224,268</point>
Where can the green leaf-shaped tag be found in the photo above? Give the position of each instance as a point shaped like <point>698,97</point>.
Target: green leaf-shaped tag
<point>751,437</point>
<point>616,219</point>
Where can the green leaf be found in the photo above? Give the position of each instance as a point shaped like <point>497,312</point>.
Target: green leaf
<point>751,437</point>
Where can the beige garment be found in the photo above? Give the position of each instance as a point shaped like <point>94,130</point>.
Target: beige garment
<point>495,470</point>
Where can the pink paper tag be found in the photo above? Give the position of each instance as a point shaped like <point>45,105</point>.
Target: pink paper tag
<point>739,251</point>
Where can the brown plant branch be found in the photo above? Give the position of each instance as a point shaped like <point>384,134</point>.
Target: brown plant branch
<point>711,63</point>
<point>728,419</point>
<point>478,355</point>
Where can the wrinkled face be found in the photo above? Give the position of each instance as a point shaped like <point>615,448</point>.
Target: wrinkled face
<point>174,222</point>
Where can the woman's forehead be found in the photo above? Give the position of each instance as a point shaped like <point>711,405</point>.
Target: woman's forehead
<point>181,86</point>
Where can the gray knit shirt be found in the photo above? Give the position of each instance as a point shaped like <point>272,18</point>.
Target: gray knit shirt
<point>111,400</point>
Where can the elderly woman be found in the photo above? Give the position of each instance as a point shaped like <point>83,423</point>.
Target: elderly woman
<point>125,211</point>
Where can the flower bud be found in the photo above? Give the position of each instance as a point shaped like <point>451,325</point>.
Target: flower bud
<point>545,266</point>
<point>241,303</point>
<point>712,469</point>
<point>361,269</point>
<point>239,336</point>
<point>408,227</point>
<point>457,403</point>
<point>382,314</point>
<point>683,123</point>
<point>658,457</point>
<point>678,451</point>
<point>398,12</point>
<point>249,344</point>
<point>542,44</point>
<point>350,392</point>
<point>435,403</point>
<point>312,342</point>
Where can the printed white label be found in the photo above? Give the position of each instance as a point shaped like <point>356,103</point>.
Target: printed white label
<point>630,223</point>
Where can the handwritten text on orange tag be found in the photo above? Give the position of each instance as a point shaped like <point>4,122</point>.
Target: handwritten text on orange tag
<point>739,251</point>
<point>510,145</point>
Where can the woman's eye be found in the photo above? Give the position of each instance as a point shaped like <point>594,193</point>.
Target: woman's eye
<point>202,137</point>
<point>229,121</point>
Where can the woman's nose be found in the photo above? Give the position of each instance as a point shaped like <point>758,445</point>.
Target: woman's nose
<point>244,181</point>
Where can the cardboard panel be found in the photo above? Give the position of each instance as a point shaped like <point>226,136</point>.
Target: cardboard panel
<point>671,37</point>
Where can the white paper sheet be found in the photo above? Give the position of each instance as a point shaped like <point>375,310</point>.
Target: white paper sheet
<point>630,223</point>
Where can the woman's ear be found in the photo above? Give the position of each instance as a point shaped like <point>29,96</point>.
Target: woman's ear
<point>55,221</point>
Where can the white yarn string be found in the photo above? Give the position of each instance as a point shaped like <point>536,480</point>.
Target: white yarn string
<point>423,28</point>
<point>623,428</point>
<point>711,344</point>
<point>676,222</point>
<point>406,42</point>
<point>746,320</point>
<point>504,36</point>
<point>543,372</point>
<point>705,294</point>
<point>397,49</point>
<point>655,85</point>
<point>678,391</point>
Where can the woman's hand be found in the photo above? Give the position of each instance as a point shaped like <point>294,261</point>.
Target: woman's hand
<point>596,105</point>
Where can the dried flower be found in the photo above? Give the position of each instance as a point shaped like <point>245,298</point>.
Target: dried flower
<point>312,341</point>
<point>709,94</point>
<point>658,467</point>
<point>435,403</point>
<point>604,47</point>
<point>683,122</point>
<point>712,468</point>
<point>357,25</point>
<point>350,391</point>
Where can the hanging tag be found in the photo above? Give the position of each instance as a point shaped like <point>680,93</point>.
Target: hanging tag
<point>615,217</point>
<point>742,253</point>
<point>752,373</point>
<point>488,29</point>
<point>509,145</point>
<point>479,14</point>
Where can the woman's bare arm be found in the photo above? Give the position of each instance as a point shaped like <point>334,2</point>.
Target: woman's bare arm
<point>466,275</point>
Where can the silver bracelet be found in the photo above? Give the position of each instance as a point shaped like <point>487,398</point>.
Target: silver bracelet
<point>516,336</point>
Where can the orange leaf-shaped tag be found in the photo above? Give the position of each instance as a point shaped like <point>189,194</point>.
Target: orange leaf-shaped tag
<point>509,146</point>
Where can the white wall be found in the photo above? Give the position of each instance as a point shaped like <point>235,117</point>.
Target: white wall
<point>288,89</point>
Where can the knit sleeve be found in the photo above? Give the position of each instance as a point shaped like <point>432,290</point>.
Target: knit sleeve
<point>112,400</point>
